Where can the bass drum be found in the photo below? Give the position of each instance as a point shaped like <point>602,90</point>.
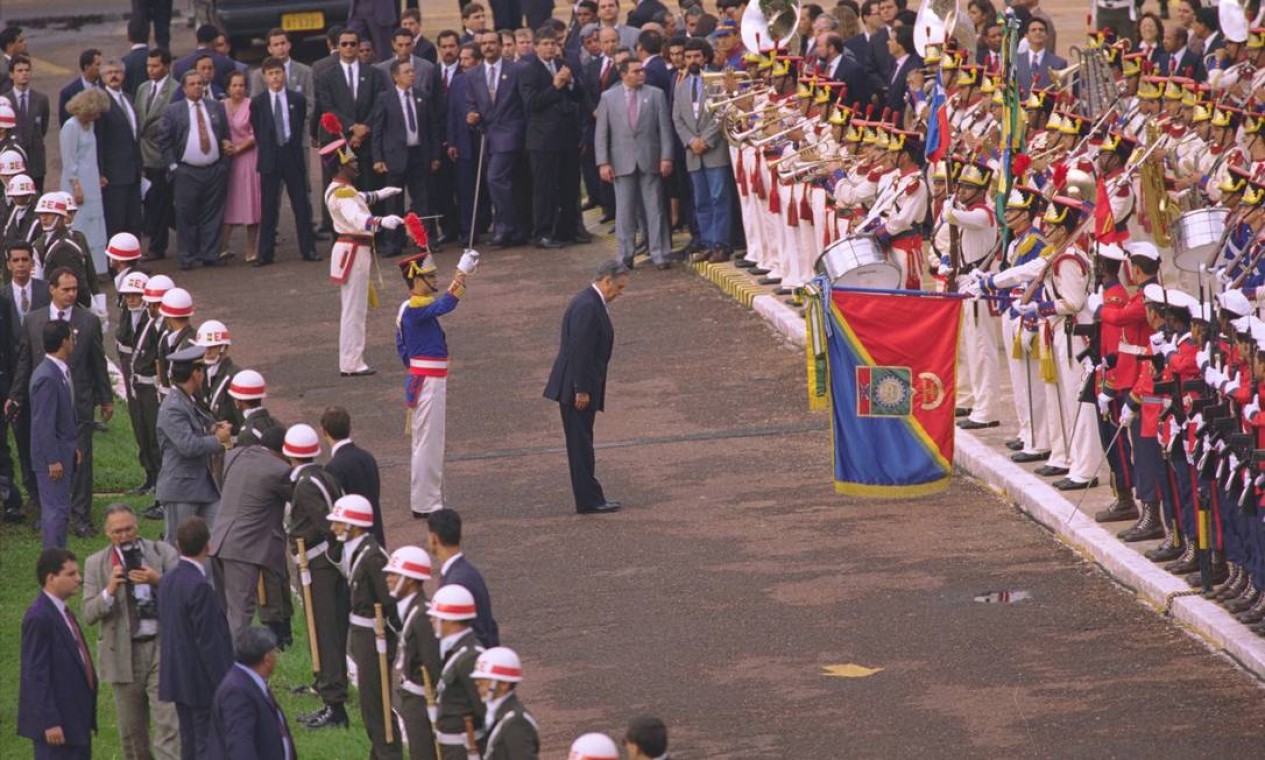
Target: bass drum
<point>1196,236</point>
<point>858,262</point>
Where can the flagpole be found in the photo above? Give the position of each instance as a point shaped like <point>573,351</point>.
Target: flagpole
<point>1010,120</point>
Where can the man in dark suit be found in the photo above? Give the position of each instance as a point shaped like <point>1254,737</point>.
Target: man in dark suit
<point>350,90</point>
<point>134,61</point>
<point>402,45</point>
<point>57,694</point>
<point>443,197</point>
<point>1033,67</point>
<point>54,431</point>
<point>31,107</point>
<point>277,115</point>
<point>246,720</point>
<point>443,540</point>
<point>89,76</point>
<point>1182,61</point>
<point>199,168</point>
<point>601,75</point>
<point>196,650</point>
<point>553,99</point>
<point>374,20</point>
<point>152,98</point>
<point>842,66</point>
<point>206,35</point>
<point>411,19</point>
<point>463,149</point>
<point>90,380</point>
<point>905,60</point>
<point>649,51</point>
<point>119,154</point>
<point>578,379</point>
<point>157,12</point>
<point>495,108</point>
<point>22,296</point>
<point>404,146</point>
<point>354,468</point>
<point>644,12</point>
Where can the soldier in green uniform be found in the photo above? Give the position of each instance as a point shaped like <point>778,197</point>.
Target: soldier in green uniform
<point>132,318</point>
<point>214,337</point>
<point>311,501</point>
<point>512,732</point>
<point>362,562</point>
<point>146,349</point>
<point>408,568</point>
<point>57,246</point>
<point>249,390</point>
<point>453,610</point>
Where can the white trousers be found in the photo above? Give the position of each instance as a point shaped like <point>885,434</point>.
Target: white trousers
<point>983,365</point>
<point>1074,438</point>
<point>1029,406</point>
<point>426,478</point>
<point>752,214</point>
<point>355,300</point>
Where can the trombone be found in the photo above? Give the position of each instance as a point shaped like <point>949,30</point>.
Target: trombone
<point>801,124</point>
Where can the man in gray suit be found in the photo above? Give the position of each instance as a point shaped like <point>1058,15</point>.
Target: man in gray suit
<point>298,75</point>
<point>402,43</point>
<point>187,437</point>
<point>152,97</point>
<point>31,107</point>
<point>633,145</point>
<point>53,431</point>
<point>193,140</point>
<point>706,157</point>
<point>248,539</point>
<point>120,591</point>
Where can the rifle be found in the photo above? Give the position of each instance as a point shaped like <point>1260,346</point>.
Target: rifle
<point>384,673</point>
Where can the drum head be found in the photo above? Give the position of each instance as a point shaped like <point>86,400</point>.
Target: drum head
<point>875,276</point>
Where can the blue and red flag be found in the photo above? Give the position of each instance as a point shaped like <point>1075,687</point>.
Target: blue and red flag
<point>892,377</point>
<point>938,134</point>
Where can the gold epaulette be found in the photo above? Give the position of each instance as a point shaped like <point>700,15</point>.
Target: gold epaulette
<point>345,192</point>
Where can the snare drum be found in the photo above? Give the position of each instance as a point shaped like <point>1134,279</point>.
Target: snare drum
<point>1196,236</point>
<point>858,262</point>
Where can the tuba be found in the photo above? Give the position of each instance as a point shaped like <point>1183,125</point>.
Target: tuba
<point>942,20</point>
<point>769,24</point>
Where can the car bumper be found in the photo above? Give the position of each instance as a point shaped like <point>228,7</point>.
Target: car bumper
<point>255,19</point>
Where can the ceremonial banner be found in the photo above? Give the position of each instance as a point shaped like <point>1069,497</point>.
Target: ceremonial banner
<point>892,377</point>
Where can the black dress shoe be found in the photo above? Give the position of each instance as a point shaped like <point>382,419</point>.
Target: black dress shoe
<point>784,291</point>
<point>744,263</point>
<point>663,265</point>
<point>1068,484</point>
<point>758,271</point>
<point>961,411</point>
<point>140,489</point>
<point>260,263</point>
<point>333,716</point>
<point>304,690</point>
<point>969,424</point>
<point>100,427</point>
<point>13,515</point>
<point>581,237</point>
<point>769,281</point>
<point>155,511</point>
<point>630,264</point>
<point>588,206</point>
<point>451,237</point>
<point>609,506</point>
<point>84,530</point>
<point>1014,444</point>
<point>546,242</point>
<point>1026,457</point>
<point>1051,472</point>
<point>366,372</point>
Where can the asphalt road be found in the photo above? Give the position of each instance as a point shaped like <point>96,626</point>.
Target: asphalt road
<point>734,575</point>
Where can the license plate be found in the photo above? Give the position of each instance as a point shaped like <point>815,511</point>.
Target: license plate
<point>303,22</point>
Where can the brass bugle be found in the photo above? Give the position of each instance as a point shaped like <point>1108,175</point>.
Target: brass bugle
<point>720,76</point>
<point>1060,78</point>
<point>714,105</point>
<point>801,124</point>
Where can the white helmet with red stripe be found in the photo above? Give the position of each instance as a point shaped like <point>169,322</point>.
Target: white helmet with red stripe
<point>247,385</point>
<point>410,562</point>
<point>453,603</point>
<point>212,333</point>
<point>11,162</point>
<point>123,247</point>
<point>499,664</point>
<point>352,509</point>
<point>177,303</point>
<point>8,117</point>
<point>158,285</point>
<point>301,441</point>
<point>49,203</point>
<point>20,186</point>
<point>133,284</point>
<point>594,747</point>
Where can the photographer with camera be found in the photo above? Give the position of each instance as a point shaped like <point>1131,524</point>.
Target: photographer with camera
<point>121,593</point>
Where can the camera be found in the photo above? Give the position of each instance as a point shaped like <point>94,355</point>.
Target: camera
<point>133,558</point>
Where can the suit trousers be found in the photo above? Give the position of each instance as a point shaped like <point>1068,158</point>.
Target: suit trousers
<point>412,178</point>
<point>354,293</point>
<point>276,607</point>
<point>122,208</point>
<point>466,172</point>
<point>426,476</point>
<point>159,215</point>
<point>237,586</point>
<point>330,608</point>
<point>176,512</point>
<point>555,182</point>
<point>157,12</point>
<point>195,731</point>
<point>46,751</point>
<point>198,200</point>
<point>55,501</point>
<point>712,200</point>
<point>640,196</point>
<point>292,173</point>
<point>508,14</point>
<point>145,425</point>
<point>412,711</point>
<point>577,426</point>
<point>500,182</point>
<point>7,472</point>
<point>363,648</point>
<point>81,486</point>
<point>442,198</point>
<point>137,701</point>
<point>22,432</point>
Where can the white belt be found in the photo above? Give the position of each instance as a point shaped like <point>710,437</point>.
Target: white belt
<point>362,621</point>
<point>458,740</point>
<point>317,550</point>
<point>122,349</point>
<point>1128,348</point>
<point>422,363</point>
<point>143,379</point>
<point>413,688</point>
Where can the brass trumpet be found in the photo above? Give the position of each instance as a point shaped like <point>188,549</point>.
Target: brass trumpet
<point>715,105</point>
<point>801,124</point>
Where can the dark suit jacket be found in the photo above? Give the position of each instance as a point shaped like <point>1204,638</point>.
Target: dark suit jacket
<point>588,338</point>
<point>852,72</point>
<point>459,134</point>
<point>1041,77</point>
<point>39,300</point>
<point>426,50</point>
<point>462,573</point>
<point>68,92</point>
<point>333,95</point>
<point>134,72</point>
<point>658,75</point>
<point>644,12</point>
<point>175,128</point>
<point>223,66</point>
<point>553,115</point>
<point>118,149</point>
<point>879,54</point>
<point>267,153</point>
<point>243,723</point>
<point>357,472</point>
<point>196,646</point>
<point>54,684</point>
<point>54,430</point>
<point>389,139</point>
<point>897,87</point>
<point>10,336</point>
<point>382,12</point>
<point>87,360</point>
<point>503,122</point>
<point>32,129</point>
<point>1190,65</point>
<point>249,526</point>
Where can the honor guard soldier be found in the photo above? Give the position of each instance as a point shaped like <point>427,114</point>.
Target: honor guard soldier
<point>176,310</point>
<point>423,348</point>
<point>131,323</point>
<point>248,391</point>
<point>896,214</point>
<point>461,710</point>
<point>20,221</point>
<point>56,247</point>
<point>373,620</point>
<point>12,163</point>
<point>417,661</point>
<point>123,253</point>
<point>512,731</point>
<point>1122,336</point>
<point>323,585</point>
<point>214,337</point>
<point>144,374</point>
<point>593,747</point>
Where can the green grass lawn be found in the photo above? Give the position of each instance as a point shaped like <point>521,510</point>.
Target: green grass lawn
<point>116,471</point>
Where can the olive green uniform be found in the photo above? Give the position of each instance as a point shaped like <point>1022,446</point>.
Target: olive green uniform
<point>367,586</point>
<point>315,492</point>
<point>459,697</point>
<point>418,649</point>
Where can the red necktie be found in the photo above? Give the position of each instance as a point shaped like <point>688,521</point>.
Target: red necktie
<point>83,650</point>
<point>606,72</point>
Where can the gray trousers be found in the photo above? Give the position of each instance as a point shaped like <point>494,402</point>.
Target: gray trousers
<point>198,198</point>
<point>137,701</point>
<point>640,195</point>
<point>237,586</point>
<point>412,711</point>
<point>176,512</point>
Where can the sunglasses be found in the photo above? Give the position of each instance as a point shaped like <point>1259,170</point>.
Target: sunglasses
<point>348,44</point>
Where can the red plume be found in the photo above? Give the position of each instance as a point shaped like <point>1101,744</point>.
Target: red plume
<point>331,124</point>
<point>1020,165</point>
<point>1060,175</point>
<point>417,231</point>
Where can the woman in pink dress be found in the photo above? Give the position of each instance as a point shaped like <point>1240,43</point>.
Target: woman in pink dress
<point>242,204</point>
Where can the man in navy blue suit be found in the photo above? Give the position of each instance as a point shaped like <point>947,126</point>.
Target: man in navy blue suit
<point>494,107</point>
<point>245,718</point>
<point>54,431</point>
<point>57,697</point>
<point>89,76</point>
<point>277,115</point>
<point>444,543</point>
<point>197,649</point>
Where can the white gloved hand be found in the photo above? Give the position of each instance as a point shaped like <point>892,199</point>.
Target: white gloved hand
<point>1233,461</point>
<point>1026,309</point>
<point>1094,302</point>
<point>1213,377</point>
<point>971,289</point>
<point>469,261</point>
<point>1223,277</point>
<point>1231,386</point>
<point>1157,340</point>
<point>1201,357</point>
<point>433,712</point>
<point>1250,410</point>
<point>1104,404</point>
<point>1260,479</point>
<point>390,222</point>
<point>388,192</point>
<point>1126,415</point>
<point>980,276</point>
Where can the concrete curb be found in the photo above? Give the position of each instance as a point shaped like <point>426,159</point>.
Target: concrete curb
<point>1164,592</point>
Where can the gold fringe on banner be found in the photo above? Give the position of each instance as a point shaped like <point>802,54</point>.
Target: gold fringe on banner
<point>815,351</point>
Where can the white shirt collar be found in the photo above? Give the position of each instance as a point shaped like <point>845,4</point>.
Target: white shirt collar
<point>444,569</point>
<point>334,449</point>
<point>598,290</point>
<point>402,606</point>
<point>495,705</point>
<point>58,603</point>
<point>352,544</point>
<point>52,311</point>
<point>195,563</point>
<point>61,365</point>
<point>450,641</point>
<point>246,413</point>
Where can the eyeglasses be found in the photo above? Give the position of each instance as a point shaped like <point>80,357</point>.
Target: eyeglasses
<point>348,44</point>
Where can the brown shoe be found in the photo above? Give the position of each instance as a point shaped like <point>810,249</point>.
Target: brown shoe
<point>701,256</point>
<point>719,256</point>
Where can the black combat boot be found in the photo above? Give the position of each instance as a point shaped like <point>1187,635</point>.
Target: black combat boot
<point>1123,508</point>
<point>1188,562</point>
<point>1147,527</point>
<point>333,716</point>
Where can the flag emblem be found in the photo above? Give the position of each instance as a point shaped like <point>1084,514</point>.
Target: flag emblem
<point>884,391</point>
